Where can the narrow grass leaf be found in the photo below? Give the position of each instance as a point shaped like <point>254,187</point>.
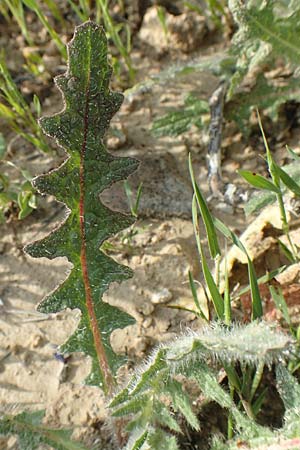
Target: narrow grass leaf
<point>216,297</point>
<point>258,181</point>
<point>138,199</point>
<point>280,303</point>
<point>262,280</point>
<point>183,308</point>
<point>206,216</point>
<point>227,297</point>
<point>286,251</point>
<point>257,310</point>
<point>288,181</point>
<point>271,163</point>
<point>257,404</point>
<point>195,296</point>
<point>292,153</point>
<point>233,377</point>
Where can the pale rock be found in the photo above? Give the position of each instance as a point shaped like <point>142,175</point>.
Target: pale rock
<point>162,296</point>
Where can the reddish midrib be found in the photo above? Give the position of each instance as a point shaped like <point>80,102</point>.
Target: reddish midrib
<point>104,366</point>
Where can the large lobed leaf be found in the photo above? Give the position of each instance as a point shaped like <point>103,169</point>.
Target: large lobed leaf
<point>78,182</point>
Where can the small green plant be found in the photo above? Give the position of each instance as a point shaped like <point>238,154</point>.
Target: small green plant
<point>178,122</point>
<point>133,203</point>
<point>17,113</point>
<point>16,196</point>
<point>22,120</point>
<point>263,33</point>
<point>16,8</point>
<point>84,11</point>
<point>279,177</point>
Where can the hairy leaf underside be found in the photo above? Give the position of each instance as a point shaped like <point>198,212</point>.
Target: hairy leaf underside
<point>196,356</point>
<point>78,182</point>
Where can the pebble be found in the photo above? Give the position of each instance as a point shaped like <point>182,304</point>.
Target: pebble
<point>146,309</point>
<point>147,322</point>
<point>162,296</point>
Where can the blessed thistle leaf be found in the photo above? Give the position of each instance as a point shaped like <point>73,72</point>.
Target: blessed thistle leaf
<point>78,183</point>
<point>266,95</point>
<point>289,390</point>
<point>178,122</point>
<point>265,30</point>
<point>189,356</point>
<point>32,433</point>
<point>270,22</point>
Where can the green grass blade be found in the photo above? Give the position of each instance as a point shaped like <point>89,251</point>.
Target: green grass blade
<point>292,153</point>
<point>257,404</point>
<point>262,280</point>
<point>258,181</point>
<point>216,297</point>
<point>195,297</point>
<point>227,298</point>
<point>206,216</point>
<point>286,251</point>
<point>271,164</point>
<point>280,303</point>
<point>288,181</point>
<point>257,310</point>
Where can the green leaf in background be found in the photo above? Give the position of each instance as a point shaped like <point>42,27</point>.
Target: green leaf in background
<point>26,202</point>
<point>78,182</point>
<point>32,433</point>
<point>270,22</point>
<point>2,146</point>
<point>265,30</point>
<point>292,153</point>
<point>178,122</point>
